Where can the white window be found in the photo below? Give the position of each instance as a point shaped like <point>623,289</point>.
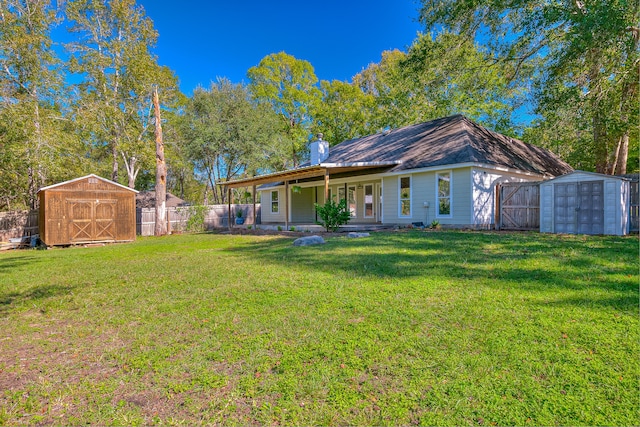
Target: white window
<point>275,204</point>
<point>444,194</point>
<point>368,201</point>
<point>405,196</point>
<point>352,201</point>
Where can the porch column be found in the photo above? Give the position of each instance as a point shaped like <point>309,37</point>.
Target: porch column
<point>229,206</point>
<point>254,205</point>
<point>286,205</point>
<point>326,185</point>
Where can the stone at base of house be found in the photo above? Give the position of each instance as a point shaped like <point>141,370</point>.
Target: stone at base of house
<point>354,235</point>
<point>308,240</point>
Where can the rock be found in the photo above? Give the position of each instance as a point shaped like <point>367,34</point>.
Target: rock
<point>308,240</point>
<point>354,235</point>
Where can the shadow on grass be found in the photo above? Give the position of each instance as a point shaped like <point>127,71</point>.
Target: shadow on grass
<point>11,262</point>
<point>528,261</point>
<point>12,299</point>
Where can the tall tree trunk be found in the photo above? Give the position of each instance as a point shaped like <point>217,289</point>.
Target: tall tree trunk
<point>161,173</point>
<point>620,166</point>
<point>114,164</point>
<point>132,171</point>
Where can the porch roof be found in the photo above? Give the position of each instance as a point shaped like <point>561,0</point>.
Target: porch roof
<point>307,172</point>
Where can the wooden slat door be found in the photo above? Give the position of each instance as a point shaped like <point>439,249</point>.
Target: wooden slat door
<point>80,214</point>
<point>91,220</point>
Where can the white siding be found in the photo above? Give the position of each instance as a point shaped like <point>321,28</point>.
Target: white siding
<point>423,190</point>
<point>483,182</point>
<point>265,201</point>
<point>546,208</point>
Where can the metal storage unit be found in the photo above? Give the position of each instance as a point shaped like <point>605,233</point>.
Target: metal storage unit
<point>585,203</point>
<point>87,209</point>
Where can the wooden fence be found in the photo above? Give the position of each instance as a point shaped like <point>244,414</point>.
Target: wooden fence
<point>216,216</point>
<point>518,206</point>
<point>18,224</point>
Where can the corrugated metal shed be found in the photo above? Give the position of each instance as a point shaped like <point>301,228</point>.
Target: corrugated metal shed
<point>87,209</point>
<point>585,203</point>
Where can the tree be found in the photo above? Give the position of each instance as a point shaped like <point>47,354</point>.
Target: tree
<point>289,85</point>
<point>438,77</point>
<point>229,135</point>
<point>160,228</point>
<point>112,56</point>
<point>586,58</point>
<point>344,113</point>
<point>35,145</point>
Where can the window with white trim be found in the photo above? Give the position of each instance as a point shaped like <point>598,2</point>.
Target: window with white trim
<point>405,196</point>
<point>444,193</point>
<point>275,202</point>
<point>351,194</point>
<point>368,201</point>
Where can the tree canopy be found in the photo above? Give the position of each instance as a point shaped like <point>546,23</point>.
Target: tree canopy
<point>583,58</point>
<point>561,74</point>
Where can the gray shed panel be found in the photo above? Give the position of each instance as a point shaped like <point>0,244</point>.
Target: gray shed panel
<point>585,203</point>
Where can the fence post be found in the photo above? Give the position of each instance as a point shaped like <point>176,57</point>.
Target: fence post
<point>498,207</point>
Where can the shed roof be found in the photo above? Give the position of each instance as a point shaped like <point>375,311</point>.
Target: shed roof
<point>85,177</point>
<point>591,174</point>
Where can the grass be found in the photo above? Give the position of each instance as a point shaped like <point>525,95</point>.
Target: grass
<point>444,328</point>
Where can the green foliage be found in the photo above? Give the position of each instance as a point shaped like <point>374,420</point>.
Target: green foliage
<point>197,214</point>
<point>333,215</point>
<point>435,224</point>
<point>229,135</point>
<point>582,58</point>
<point>289,86</point>
<point>112,55</point>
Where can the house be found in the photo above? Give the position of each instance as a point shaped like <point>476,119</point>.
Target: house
<point>585,203</point>
<point>87,209</point>
<point>147,200</point>
<point>445,170</point>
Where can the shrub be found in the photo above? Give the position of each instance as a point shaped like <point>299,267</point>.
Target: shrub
<point>333,215</point>
<point>195,223</point>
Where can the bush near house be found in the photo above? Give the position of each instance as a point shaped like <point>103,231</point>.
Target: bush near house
<point>333,215</point>
<point>412,327</point>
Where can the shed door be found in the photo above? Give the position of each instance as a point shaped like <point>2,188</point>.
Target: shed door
<point>590,209</point>
<point>80,214</point>
<point>579,207</point>
<point>91,220</point>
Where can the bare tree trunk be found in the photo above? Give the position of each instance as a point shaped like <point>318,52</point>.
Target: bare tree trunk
<point>132,171</point>
<point>161,173</point>
<point>114,165</point>
<point>622,154</point>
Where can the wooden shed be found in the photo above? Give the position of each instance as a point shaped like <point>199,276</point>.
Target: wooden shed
<point>87,209</point>
<point>585,203</point>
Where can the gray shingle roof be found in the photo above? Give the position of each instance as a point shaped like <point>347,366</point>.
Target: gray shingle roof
<point>447,141</point>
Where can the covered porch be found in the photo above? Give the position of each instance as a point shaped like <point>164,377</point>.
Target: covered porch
<point>288,198</point>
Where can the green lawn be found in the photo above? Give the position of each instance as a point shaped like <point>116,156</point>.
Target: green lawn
<point>446,328</point>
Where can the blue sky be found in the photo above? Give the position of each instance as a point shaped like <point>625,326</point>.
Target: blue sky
<point>203,40</point>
